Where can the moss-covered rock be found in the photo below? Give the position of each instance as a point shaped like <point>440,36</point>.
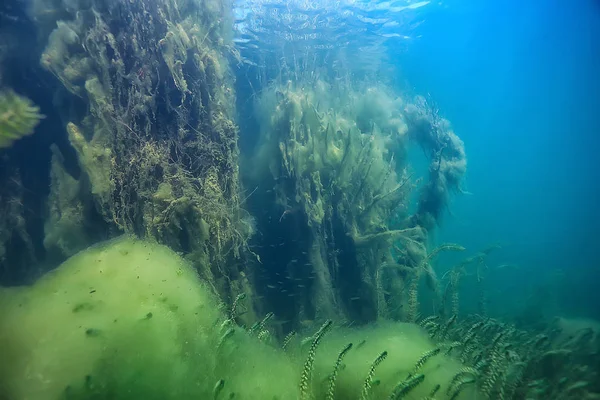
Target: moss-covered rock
<point>127,319</point>
<point>405,345</point>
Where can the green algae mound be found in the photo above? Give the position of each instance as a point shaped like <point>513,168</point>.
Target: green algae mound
<point>127,319</point>
<point>130,319</point>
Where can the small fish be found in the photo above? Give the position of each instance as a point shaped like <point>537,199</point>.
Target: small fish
<point>248,62</point>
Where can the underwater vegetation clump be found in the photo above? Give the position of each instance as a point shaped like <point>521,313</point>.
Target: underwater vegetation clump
<point>509,363</point>
<point>18,117</point>
<point>333,160</point>
<point>448,162</point>
<point>145,97</point>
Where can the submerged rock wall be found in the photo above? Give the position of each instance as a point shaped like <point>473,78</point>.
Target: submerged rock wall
<point>145,98</point>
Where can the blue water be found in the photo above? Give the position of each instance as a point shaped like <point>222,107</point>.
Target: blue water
<point>520,82</point>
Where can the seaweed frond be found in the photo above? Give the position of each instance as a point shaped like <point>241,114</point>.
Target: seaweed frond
<point>448,325</point>
<point>259,326</point>
<point>369,380</point>
<point>462,376</point>
<point>404,387</point>
<point>18,117</point>
<point>234,306</point>
<point>424,358</point>
<point>426,322</point>
<point>336,368</point>
<point>434,391</point>
<point>308,365</point>
<point>460,386</point>
<point>413,296</point>
<point>288,338</point>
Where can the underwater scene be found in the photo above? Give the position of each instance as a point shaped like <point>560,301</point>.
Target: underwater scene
<point>299,200</point>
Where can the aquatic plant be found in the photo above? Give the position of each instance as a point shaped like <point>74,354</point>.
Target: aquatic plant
<point>16,244</point>
<point>507,363</point>
<point>337,169</point>
<point>66,230</point>
<point>307,371</point>
<point>334,374</point>
<point>404,387</point>
<point>365,394</point>
<point>157,142</point>
<point>424,358</point>
<point>425,267</point>
<point>18,117</point>
<point>448,161</point>
<point>456,274</point>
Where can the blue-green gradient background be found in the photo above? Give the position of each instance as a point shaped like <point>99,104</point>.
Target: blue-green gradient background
<point>520,82</point>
